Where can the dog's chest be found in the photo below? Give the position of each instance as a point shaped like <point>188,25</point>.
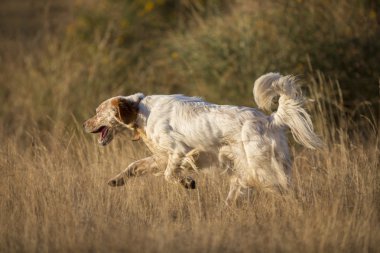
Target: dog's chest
<point>152,145</point>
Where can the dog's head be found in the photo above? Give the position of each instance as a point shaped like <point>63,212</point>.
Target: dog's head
<point>112,116</point>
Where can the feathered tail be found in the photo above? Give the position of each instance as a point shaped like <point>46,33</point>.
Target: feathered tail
<point>290,110</point>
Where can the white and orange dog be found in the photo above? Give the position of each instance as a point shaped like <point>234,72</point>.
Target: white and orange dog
<point>188,133</point>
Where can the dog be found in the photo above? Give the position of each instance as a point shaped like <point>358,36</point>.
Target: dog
<point>189,134</point>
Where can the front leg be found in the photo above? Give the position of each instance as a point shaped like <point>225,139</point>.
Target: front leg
<point>135,169</point>
<point>173,169</point>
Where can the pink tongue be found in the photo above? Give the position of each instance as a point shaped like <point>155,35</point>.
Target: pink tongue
<point>104,132</point>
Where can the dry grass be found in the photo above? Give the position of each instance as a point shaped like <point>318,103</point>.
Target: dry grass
<point>55,198</point>
<point>53,191</point>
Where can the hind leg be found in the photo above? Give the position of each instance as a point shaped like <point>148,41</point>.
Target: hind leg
<point>234,192</point>
<point>264,153</point>
<point>226,159</point>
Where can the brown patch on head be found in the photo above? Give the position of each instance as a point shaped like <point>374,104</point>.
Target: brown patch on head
<point>90,125</point>
<point>115,102</point>
<point>126,109</point>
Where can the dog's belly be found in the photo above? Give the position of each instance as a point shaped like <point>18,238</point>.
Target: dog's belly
<point>206,160</point>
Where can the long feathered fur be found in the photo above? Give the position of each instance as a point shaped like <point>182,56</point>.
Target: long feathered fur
<point>290,110</point>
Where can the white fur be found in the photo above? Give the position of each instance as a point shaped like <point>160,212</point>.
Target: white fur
<point>189,133</point>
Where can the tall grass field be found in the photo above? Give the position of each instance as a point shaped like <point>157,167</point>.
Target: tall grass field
<point>60,59</point>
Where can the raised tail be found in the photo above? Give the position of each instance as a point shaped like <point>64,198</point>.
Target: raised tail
<point>290,110</point>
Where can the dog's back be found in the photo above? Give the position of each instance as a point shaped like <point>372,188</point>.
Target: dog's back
<point>195,123</point>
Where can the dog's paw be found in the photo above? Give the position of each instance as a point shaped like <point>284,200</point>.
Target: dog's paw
<point>188,183</point>
<point>118,181</point>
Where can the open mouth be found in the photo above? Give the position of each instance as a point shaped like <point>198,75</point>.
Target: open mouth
<point>103,130</point>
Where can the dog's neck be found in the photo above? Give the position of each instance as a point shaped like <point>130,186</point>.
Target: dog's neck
<point>138,133</point>
<point>135,133</point>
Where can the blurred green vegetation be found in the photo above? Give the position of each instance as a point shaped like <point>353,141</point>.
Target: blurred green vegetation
<point>220,47</point>
<point>209,48</point>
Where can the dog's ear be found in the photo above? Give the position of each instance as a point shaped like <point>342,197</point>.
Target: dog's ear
<point>127,107</point>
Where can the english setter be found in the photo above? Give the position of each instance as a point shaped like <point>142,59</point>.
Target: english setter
<point>188,133</point>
